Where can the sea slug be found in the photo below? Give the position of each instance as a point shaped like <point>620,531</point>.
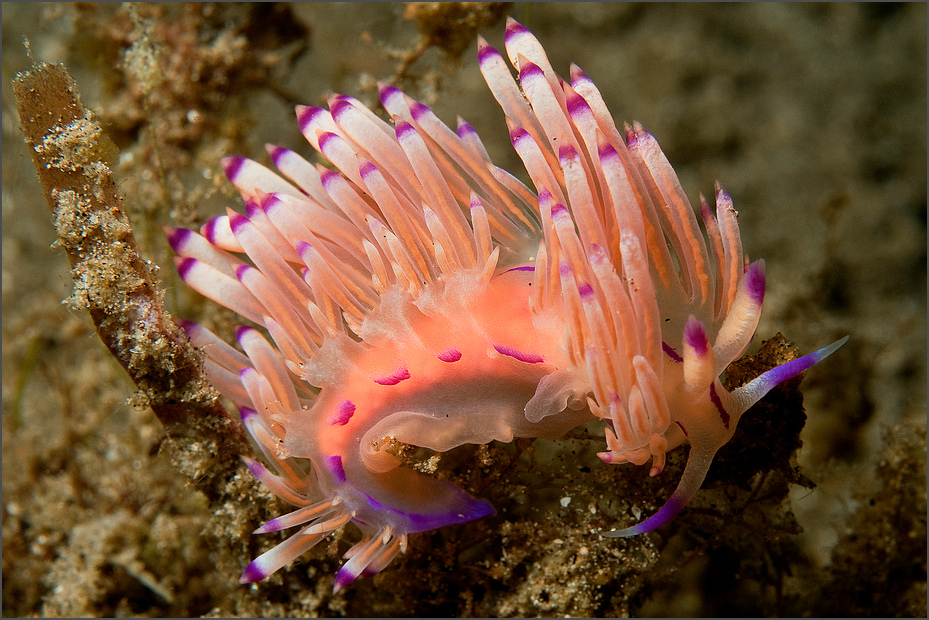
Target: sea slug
<point>422,295</point>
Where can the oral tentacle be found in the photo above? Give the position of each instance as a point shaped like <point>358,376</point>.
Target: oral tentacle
<point>698,464</point>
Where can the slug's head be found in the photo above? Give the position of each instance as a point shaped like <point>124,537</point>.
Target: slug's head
<point>708,435</point>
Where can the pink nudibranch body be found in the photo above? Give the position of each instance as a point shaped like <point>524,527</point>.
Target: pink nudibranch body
<point>423,295</point>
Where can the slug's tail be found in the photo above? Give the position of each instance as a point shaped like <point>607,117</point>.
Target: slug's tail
<point>704,445</point>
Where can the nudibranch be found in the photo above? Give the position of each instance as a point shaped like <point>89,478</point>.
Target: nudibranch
<point>420,294</point>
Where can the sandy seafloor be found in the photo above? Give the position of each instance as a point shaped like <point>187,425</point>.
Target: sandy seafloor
<point>812,116</point>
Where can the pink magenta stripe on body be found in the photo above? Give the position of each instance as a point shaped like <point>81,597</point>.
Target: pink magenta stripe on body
<point>449,355</point>
<point>529,358</point>
<point>343,414</point>
<point>400,374</point>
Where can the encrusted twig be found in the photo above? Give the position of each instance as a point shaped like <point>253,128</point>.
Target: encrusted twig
<point>113,282</point>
